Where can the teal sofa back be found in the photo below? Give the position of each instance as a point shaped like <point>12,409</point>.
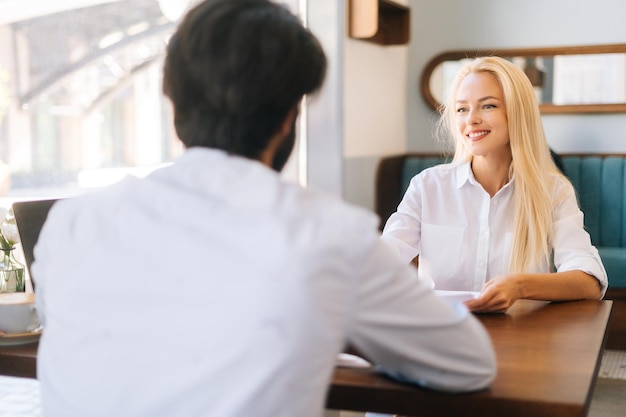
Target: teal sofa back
<point>599,181</point>
<point>599,184</point>
<point>600,187</point>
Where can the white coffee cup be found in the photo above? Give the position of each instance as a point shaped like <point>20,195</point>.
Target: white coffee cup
<point>18,313</point>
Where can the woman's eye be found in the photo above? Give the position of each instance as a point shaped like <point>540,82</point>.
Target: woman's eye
<point>490,106</point>
<point>461,110</point>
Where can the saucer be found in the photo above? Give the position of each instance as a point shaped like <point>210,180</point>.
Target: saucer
<point>12,339</point>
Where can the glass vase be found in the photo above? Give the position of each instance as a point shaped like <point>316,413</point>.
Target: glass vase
<point>11,272</point>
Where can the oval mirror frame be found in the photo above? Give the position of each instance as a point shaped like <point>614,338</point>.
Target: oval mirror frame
<point>546,108</point>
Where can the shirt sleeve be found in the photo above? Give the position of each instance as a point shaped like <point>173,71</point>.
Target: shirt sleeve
<point>47,257</point>
<point>402,229</point>
<point>402,326</point>
<point>41,253</point>
<point>572,244</point>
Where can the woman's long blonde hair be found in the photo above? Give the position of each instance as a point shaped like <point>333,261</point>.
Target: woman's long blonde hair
<point>531,164</point>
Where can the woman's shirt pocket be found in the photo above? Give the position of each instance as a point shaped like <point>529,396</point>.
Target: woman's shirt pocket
<point>440,250</point>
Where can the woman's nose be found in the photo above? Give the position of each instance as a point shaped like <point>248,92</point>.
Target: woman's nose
<point>473,117</point>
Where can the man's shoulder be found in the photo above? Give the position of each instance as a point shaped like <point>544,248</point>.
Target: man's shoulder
<point>89,205</point>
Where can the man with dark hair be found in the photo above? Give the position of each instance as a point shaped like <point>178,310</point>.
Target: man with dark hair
<point>239,104</point>
<point>213,287</point>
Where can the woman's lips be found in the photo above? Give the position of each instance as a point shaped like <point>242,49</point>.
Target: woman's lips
<point>477,134</point>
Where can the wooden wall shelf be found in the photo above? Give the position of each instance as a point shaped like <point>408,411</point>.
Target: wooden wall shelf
<point>384,22</point>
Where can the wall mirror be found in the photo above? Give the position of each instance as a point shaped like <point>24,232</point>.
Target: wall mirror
<point>573,79</point>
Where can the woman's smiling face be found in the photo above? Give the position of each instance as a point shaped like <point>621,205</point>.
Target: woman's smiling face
<point>481,115</point>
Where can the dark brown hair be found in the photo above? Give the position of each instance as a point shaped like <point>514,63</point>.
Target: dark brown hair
<point>233,71</point>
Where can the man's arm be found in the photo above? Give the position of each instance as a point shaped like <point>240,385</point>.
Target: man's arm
<point>402,326</point>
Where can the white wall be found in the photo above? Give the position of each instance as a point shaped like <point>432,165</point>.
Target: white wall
<point>482,24</point>
<point>374,106</point>
<point>373,76</point>
<point>375,79</point>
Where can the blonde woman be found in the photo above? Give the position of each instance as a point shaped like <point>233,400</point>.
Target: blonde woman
<point>500,219</point>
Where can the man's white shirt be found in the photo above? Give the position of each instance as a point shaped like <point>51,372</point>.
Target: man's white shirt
<point>213,287</point>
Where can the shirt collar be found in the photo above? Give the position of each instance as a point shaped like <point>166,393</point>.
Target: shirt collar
<point>464,175</point>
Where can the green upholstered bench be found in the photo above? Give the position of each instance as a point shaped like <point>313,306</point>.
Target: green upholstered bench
<point>600,183</point>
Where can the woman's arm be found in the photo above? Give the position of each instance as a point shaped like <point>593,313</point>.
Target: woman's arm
<point>501,292</point>
<point>580,273</point>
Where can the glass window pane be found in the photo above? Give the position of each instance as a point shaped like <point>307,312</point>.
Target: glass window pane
<point>80,94</point>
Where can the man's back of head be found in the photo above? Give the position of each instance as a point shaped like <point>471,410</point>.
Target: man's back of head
<point>234,70</point>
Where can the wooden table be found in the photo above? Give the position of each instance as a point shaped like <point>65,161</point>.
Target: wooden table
<point>548,359</point>
<point>19,360</point>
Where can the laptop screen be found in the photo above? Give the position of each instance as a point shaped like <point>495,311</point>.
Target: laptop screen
<point>29,218</point>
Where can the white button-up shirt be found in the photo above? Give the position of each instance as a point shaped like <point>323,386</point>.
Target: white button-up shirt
<point>464,237</point>
<point>214,288</point>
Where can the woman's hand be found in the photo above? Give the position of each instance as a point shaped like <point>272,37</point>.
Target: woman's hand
<point>497,295</point>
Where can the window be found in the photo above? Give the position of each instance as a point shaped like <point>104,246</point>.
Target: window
<point>80,94</point>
